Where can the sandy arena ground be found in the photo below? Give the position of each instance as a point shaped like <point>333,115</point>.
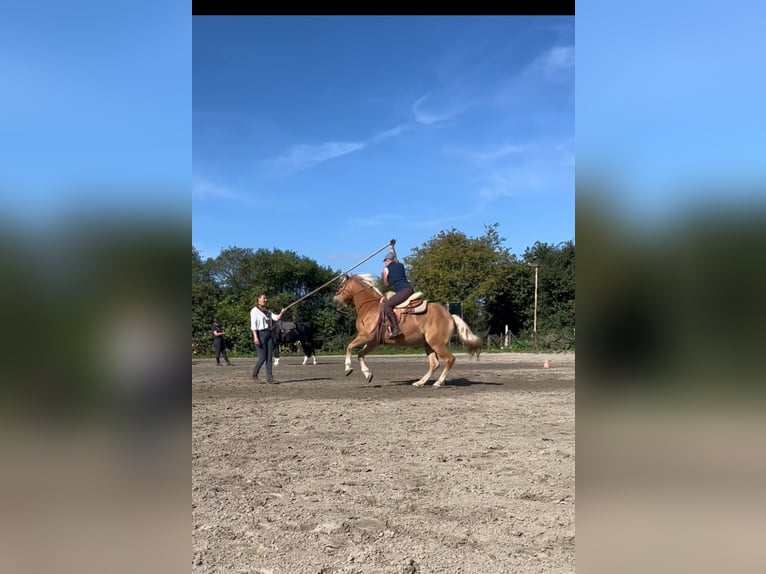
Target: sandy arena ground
<point>325,473</point>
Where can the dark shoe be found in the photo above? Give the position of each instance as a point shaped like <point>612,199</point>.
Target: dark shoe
<point>255,378</point>
<point>395,332</point>
<point>272,382</point>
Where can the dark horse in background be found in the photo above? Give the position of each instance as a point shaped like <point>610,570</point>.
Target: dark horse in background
<point>289,333</point>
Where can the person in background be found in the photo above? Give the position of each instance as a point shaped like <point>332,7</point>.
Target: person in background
<point>219,345</point>
<point>261,324</point>
<point>394,278</point>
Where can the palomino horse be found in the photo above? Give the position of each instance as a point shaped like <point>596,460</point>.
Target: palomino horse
<point>289,333</point>
<point>431,328</point>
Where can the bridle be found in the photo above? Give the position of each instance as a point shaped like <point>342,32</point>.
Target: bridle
<point>344,289</point>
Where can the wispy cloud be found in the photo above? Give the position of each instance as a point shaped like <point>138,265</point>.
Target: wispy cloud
<point>485,156</point>
<point>305,156</point>
<point>553,64</point>
<point>481,80</point>
<point>204,189</point>
<point>466,73</point>
<point>515,170</point>
<point>398,130</point>
<point>424,116</point>
<point>433,110</point>
<point>508,169</point>
<point>510,184</point>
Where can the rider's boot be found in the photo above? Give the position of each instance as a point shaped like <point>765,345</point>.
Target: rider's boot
<point>395,331</point>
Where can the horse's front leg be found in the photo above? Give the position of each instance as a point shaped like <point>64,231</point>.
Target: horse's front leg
<point>362,353</point>
<point>350,347</point>
<point>349,368</point>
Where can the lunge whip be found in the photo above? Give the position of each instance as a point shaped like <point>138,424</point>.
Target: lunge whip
<point>389,244</point>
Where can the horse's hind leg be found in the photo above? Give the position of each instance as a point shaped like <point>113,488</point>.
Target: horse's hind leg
<point>449,360</point>
<point>433,364</point>
<point>308,350</point>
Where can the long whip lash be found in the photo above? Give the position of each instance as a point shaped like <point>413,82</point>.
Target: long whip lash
<point>389,244</point>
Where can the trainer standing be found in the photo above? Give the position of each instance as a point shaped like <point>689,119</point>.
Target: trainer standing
<point>261,323</point>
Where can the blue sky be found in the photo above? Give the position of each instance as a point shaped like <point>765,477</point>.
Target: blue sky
<point>95,107</point>
<point>329,136</point>
<point>670,104</point>
<point>294,115</point>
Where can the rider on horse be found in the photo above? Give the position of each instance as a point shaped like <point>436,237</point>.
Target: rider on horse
<point>395,278</point>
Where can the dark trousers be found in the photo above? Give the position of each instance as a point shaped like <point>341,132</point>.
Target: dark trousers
<point>396,298</point>
<point>265,353</point>
<point>220,349</point>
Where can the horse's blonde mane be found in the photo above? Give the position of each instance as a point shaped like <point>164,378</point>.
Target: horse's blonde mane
<point>371,281</point>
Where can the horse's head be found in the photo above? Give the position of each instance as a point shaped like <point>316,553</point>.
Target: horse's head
<point>344,295</point>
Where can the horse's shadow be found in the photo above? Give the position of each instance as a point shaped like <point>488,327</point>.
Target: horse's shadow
<point>449,383</point>
<point>312,379</point>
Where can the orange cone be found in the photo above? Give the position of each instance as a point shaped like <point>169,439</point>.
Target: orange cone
<point>546,364</point>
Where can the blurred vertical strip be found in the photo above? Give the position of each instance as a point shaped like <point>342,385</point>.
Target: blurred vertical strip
<point>95,135</point>
<point>671,223</point>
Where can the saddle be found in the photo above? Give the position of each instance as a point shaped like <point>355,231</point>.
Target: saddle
<point>286,326</point>
<point>414,304</point>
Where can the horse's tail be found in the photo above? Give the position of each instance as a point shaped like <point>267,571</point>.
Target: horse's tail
<point>472,342</point>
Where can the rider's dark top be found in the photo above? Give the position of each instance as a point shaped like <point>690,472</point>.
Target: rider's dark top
<point>397,278</point>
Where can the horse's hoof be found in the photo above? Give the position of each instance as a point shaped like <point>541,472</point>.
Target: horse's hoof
<point>349,371</point>
<point>438,385</point>
<point>368,377</point>
<point>418,385</point>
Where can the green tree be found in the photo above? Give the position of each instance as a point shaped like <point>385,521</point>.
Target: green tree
<point>556,288</point>
<point>493,286</point>
<point>513,299</point>
<point>452,267</point>
<point>205,296</point>
<point>238,275</point>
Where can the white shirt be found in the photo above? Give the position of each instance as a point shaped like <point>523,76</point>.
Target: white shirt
<point>258,319</point>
